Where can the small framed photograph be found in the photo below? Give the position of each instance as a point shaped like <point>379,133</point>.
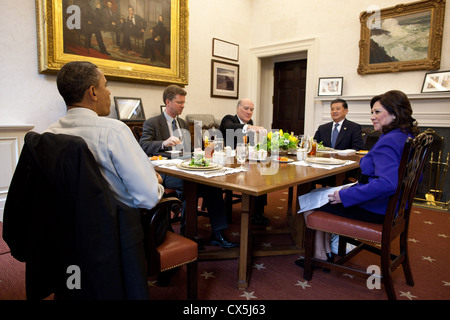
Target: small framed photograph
<point>225,49</point>
<point>163,108</point>
<point>129,109</point>
<point>436,82</point>
<point>224,79</point>
<point>331,86</point>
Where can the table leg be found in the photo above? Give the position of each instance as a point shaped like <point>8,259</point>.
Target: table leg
<point>190,192</point>
<point>245,248</point>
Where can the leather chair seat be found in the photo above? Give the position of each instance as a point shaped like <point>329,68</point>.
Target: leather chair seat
<point>324,221</point>
<point>176,250</point>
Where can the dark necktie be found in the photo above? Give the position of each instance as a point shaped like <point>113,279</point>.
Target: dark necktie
<point>334,135</point>
<point>174,126</point>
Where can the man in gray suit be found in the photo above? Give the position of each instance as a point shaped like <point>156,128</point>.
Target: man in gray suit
<point>164,132</point>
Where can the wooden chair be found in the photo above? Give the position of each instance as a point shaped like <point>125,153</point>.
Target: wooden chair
<point>174,250</point>
<point>137,132</point>
<point>370,137</point>
<point>364,234</point>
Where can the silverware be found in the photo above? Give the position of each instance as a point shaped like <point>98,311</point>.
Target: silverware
<point>216,171</point>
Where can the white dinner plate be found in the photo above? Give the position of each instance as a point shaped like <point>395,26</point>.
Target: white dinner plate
<point>319,160</point>
<point>187,166</point>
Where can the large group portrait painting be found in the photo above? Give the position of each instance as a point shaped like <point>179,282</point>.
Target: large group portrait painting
<point>119,30</point>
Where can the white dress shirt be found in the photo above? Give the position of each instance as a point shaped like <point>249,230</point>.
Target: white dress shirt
<point>121,160</point>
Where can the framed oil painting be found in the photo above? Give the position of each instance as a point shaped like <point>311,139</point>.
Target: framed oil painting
<point>331,86</point>
<point>224,79</point>
<point>129,109</point>
<point>405,37</point>
<point>436,82</point>
<point>130,40</point>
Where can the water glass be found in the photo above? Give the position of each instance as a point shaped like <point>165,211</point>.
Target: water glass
<point>218,145</point>
<point>241,153</point>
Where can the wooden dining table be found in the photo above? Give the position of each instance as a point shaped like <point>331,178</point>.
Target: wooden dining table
<point>258,179</point>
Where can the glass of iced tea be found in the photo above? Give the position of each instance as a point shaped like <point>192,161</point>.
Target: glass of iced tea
<point>313,152</point>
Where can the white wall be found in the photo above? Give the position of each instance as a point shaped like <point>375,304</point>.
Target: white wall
<point>30,98</point>
<point>335,28</point>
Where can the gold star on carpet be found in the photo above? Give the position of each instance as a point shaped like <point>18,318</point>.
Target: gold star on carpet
<point>443,235</point>
<point>151,283</point>
<point>259,266</point>
<point>280,208</point>
<point>302,284</point>
<point>428,258</point>
<point>446,283</point>
<point>428,222</point>
<point>235,234</point>
<point>282,199</point>
<point>266,244</point>
<point>407,294</point>
<point>276,217</point>
<point>248,295</point>
<point>413,240</point>
<point>207,275</point>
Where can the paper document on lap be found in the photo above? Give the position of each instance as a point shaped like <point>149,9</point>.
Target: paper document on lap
<point>317,198</point>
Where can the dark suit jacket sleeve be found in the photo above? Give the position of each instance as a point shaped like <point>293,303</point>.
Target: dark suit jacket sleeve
<point>323,134</point>
<point>154,132</point>
<point>231,122</point>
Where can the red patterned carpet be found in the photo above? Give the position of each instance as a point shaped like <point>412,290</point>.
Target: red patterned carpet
<point>277,278</point>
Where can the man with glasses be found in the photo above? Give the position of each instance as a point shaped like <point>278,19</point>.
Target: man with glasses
<point>168,131</point>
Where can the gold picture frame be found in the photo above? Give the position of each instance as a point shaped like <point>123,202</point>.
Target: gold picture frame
<point>64,36</point>
<point>380,50</point>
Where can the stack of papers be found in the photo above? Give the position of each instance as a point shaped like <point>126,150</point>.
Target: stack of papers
<point>317,198</point>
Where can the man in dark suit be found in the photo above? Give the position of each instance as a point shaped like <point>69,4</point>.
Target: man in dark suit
<point>91,24</point>
<point>133,26</point>
<point>111,21</point>
<point>157,41</point>
<point>168,131</point>
<point>233,129</point>
<point>341,133</point>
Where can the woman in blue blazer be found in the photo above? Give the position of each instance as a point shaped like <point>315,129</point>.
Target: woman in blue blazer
<point>368,199</point>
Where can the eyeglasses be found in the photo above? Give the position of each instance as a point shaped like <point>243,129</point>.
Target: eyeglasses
<point>179,102</point>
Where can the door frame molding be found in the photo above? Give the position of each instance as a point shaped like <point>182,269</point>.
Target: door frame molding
<point>282,48</point>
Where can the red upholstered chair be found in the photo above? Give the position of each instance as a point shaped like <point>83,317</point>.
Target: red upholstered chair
<point>174,251</point>
<point>365,235</point>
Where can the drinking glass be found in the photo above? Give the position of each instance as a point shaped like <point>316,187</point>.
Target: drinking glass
<point>218,145</point>
<point>241,154</point>
<point>313,150</point>
<point>306,143</point>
